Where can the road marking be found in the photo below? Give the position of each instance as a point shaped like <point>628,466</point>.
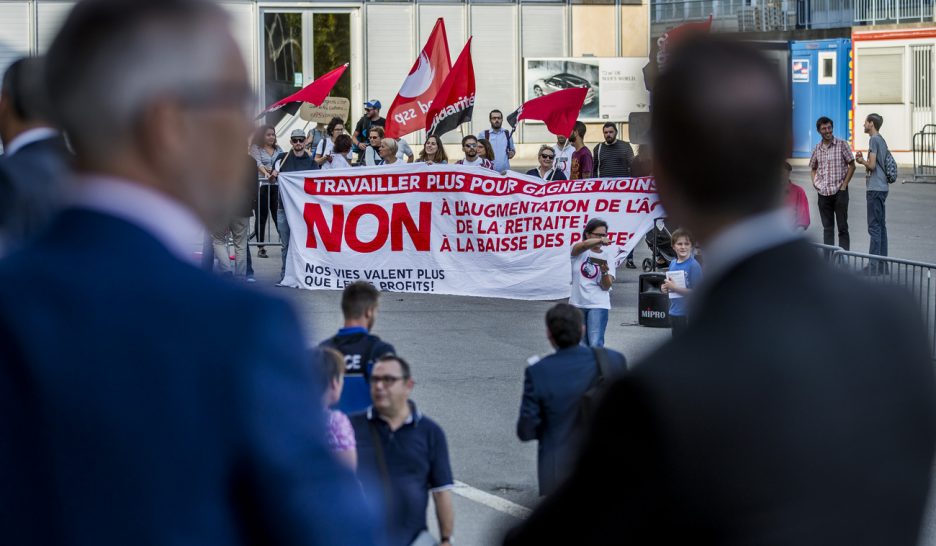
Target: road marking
<point>491,501</point>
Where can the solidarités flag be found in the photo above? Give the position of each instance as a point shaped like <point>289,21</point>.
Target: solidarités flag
<point>559,109</point>
<point>454,103</point>
<point>314,93</point>
<point>408,111</point>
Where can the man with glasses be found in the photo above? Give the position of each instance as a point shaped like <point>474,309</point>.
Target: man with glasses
<point>470,146</point>
<point>298,159</point>
<point>501,140</point>
<point>547,165</point>
<point>402,457</point>
<point>371,118</point>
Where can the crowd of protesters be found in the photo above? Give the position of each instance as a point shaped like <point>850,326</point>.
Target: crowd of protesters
<point>184,433</point>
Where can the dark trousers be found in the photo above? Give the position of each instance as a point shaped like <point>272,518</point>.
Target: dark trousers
<point>266,208</point>
<point>877,228</point>
<point>833,209</point>
<point>678,324</point>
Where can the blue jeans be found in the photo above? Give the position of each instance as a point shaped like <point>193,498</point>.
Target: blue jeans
<point>596,321</point>
<point>877,228</point>
<point>282,226</point>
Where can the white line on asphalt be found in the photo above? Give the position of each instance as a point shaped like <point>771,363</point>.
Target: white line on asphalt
<point>491,501</point>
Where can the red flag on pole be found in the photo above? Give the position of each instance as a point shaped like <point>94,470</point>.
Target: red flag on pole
<point>314,93</point>
<point>454,103</point>
<point>559,109</point>
<point>408,111</point>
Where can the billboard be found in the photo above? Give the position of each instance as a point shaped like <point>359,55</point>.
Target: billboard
<point>615,84</point>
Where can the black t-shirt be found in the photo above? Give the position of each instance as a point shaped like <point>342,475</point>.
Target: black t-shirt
<point>364,125</point>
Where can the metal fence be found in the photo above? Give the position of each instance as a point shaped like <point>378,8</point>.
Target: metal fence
<point>919,278</point>
<point>767,15</point>
<point>731,15</point>
<point>263,230</point>
<point>893,11</point>
<point>924,155</point>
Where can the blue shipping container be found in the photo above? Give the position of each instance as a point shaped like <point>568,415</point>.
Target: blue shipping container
<point>821,73</point>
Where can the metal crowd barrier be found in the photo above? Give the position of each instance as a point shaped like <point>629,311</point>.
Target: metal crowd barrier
<point>917,277</point>
<point>827,252</point>
<point>924,155</point>
<point>267,196</point>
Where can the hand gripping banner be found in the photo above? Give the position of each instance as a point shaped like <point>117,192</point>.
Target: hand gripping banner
<point>447,229</point>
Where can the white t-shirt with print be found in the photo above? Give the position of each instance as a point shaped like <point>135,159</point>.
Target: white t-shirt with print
<point>338,162</point>
<point>586,281</point>
<point>563,159</point>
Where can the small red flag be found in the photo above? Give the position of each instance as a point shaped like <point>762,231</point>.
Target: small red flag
<point>455,102</point>
<point>559,109</point>
<point>407,114</point>
<point>314,93</point>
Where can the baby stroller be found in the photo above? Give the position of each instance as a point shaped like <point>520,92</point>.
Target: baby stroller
<point>660,241</point>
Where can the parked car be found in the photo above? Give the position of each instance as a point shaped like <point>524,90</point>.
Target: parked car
<point>564,80</point>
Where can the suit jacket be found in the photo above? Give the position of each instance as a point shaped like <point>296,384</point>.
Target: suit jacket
<point>797,409</point>
<point>32,186</point>
<point>144,401</point>
<point>552,395</point>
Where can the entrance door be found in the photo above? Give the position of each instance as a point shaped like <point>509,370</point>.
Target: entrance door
<point>300,45</point>
<point>921,89</point>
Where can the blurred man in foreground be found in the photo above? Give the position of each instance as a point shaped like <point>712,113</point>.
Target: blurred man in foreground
<point>133,409</point>
<point>797,408</point>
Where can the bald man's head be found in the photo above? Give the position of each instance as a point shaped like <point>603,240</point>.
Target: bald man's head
<point>720,128</point>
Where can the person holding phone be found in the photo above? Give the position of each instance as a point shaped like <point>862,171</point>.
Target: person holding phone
<point>592,278</point>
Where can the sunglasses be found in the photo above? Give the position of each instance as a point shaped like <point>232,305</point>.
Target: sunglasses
<point>296,140</point>
<point>547,156</point>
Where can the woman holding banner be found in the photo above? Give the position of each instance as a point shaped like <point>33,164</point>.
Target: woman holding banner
<point>592,277</point>
<point>547,165</point>
<point>433,153</point>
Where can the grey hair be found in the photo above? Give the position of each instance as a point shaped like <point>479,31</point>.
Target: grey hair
<point>113,57</point>
<point>391,144</point>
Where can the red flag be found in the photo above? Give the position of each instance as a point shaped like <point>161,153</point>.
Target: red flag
<point>408,111</point>
<point>454,103</point>
<point>314,93</point>
<point>559,109</point>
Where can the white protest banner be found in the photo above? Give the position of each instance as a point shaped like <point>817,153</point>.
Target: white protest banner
<point>449,229</point>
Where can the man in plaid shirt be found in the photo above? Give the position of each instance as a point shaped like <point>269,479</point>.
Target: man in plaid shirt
<point>832,166</point>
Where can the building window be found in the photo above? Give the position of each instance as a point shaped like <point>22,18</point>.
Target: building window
<point>880,75</point>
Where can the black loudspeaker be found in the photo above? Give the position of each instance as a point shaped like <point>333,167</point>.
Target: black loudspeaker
<point>652,303</point>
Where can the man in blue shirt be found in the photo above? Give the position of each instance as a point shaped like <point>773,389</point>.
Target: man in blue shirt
<point>359,347</point>
<point>402,457</point>
<point>501,140</point>
<point>552,394</point>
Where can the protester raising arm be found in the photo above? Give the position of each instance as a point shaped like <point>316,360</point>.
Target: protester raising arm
<point>590,243</point>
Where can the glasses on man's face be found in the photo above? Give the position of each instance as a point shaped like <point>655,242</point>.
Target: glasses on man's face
<point>375,137</point>
<point>297,140</point>
<point>547,157</point>
<point>596,234</point>
<point>472,146</point>
<point>386,380</point>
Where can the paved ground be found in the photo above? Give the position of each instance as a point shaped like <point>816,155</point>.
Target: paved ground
<point>469,353</point>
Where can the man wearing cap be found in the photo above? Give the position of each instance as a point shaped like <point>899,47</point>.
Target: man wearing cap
<point>299,159</point>
<point>371,118</point>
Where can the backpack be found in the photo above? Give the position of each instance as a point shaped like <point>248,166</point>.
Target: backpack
<point>592,396</point>
<point>890,168</point>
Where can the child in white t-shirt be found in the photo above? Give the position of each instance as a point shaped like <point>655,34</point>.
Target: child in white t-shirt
<point>592,277</point>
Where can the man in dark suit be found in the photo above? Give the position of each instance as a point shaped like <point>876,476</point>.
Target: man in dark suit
<point>798,408</point>
<point>35,162</point>
<point>553,389</point>
<point>143,400</point>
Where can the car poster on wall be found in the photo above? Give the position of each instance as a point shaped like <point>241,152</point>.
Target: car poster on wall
<point>615,84</point>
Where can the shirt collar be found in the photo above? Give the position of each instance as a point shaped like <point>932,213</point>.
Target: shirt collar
<point>745,239</point>
<point>352,330</point>
<point>170,222</point>
<point>28,137</point>
<point>415,416</point>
